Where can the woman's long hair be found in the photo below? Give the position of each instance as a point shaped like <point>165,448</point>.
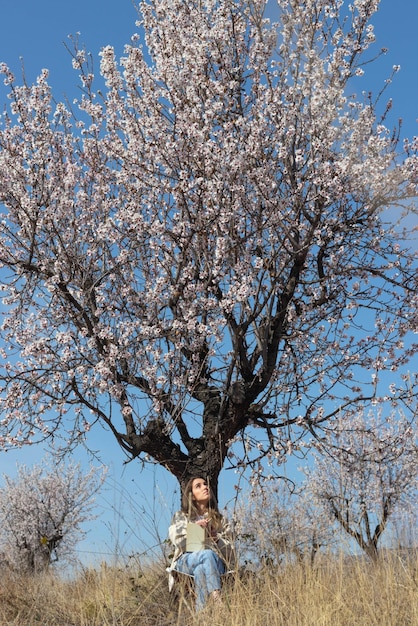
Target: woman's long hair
<point>188,506</point>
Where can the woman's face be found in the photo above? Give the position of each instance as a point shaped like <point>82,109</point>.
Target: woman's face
<point>200,491</point>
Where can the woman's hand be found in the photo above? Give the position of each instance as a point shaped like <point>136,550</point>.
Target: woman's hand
<point>205,523</point>
<point>202,522</point>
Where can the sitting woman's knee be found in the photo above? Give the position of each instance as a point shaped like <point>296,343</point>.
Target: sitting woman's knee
<point>208,553</point>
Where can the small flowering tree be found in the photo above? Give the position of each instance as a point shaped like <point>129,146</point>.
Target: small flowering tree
<point>278,522</point>
<point>42,511</point>
<point>365,474</point>
<point>195,254</point>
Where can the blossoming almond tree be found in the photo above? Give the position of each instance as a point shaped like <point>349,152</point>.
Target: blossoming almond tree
<point>365,474</point>
<point>279,522</point>
<point>42,511</point>
<point>198,249</point>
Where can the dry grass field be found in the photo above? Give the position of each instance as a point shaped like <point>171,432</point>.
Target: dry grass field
<point>335,592</point>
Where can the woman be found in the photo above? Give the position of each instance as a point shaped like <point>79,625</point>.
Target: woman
<point>207,565</point>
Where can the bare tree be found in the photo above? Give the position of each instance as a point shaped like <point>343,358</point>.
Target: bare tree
<point>198,249</point>
<point>42,511</point>
<point>366,475</point>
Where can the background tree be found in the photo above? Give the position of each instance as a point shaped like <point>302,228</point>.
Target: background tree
<point>198,249</point>
<point>279,522</point>
<point>42,511</point>
<point>365,474</point>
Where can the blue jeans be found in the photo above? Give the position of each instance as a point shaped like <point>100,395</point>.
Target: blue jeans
<point>207,568</point>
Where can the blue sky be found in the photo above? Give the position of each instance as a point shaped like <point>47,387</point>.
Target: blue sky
<point>36,32</point>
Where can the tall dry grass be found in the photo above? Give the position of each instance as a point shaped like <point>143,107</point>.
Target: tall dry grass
<point>336,592</point>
